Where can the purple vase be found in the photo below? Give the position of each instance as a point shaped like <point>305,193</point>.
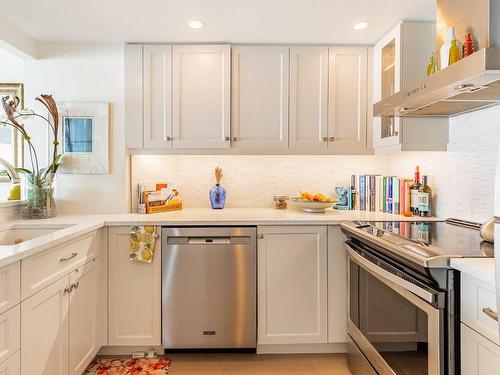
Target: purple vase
<point>217,196</point>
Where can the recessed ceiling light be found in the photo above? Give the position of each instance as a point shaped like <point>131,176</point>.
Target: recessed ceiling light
<point>196,24</point>
<point>361,25</point>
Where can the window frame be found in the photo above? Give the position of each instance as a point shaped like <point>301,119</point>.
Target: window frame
<point>15,89</point>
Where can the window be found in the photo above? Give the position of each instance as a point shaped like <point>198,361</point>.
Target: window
<point>10,143</point>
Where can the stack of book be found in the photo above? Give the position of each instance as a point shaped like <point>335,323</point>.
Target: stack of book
<point>389,194</point>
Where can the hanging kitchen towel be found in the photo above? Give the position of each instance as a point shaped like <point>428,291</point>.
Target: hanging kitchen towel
<point>142,243</point>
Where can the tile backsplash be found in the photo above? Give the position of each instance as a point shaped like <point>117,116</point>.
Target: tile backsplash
<point>462,178</point>
<point>251,181</point>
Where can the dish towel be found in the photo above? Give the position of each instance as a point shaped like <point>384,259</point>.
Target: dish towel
<point>142,243</point>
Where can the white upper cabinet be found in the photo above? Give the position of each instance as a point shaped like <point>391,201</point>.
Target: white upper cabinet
<point>201,96</point>
<point>134,137</point>
<point>308,98</point>
<point>277,99</point>
<point>157,86</point>
<point>259,118</point>
<point>347,100</point>
<point>400,60</point>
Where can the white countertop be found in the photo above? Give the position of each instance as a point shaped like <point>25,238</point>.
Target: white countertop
<point>480,268</point>
<point>82,224</point>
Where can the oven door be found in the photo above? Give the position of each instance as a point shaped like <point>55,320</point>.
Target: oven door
<point>391,319</point>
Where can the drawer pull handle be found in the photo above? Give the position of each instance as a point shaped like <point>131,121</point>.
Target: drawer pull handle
<point>492,314</point>
<point>68,258</point>
<point>67,289</point>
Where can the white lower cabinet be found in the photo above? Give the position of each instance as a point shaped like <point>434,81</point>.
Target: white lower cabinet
<point>61,324</point>
<point>337,286</point>
<point>292,285</point>
<point>83,318</point>
<point>480,356</point>
<point>10,329</point>
<point>12,366</point>
<point>134,294</point>
<point>10,289</point>
<point>44,331</point>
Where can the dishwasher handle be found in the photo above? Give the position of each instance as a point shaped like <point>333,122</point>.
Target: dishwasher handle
<point>209,240</point>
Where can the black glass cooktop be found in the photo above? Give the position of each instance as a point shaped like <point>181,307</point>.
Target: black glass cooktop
<point>440,238</point>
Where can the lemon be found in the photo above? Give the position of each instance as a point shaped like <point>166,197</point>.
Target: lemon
<point>147,254</point>
<point>149,229</point>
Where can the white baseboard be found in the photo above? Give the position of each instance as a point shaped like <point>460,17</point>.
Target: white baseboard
<point>127,350</point>
<point>261,349</point>
<point>302,348</point>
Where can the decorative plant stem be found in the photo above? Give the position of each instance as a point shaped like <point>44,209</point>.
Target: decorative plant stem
<point>39,180</point>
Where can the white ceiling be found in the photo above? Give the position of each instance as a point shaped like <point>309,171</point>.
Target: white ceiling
<point>244,21</point>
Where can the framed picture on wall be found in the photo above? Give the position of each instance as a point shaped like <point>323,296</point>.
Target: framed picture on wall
<point>84,137</point>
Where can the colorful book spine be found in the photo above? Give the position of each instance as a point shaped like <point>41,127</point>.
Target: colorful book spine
<point>362,193</point>
<point>395,195</point>
<point>352,206</point>
<point>389,195</point>
<point>407,195</point>
<point>384,194</point>
<point>373,193</point>
<point>402,196</point>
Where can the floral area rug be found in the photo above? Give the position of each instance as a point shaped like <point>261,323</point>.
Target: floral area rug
<point>129,366</point>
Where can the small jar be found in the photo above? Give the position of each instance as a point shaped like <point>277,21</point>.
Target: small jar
<point>280,202</point>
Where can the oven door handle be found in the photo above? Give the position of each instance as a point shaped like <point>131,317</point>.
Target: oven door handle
<point>381,273</point>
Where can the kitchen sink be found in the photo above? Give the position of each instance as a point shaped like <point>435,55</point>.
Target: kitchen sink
<point>15,234</point>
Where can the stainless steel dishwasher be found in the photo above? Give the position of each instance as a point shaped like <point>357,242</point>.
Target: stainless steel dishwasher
<point>209,288</point>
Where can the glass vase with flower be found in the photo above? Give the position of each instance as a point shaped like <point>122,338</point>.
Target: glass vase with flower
<point>39,182</point>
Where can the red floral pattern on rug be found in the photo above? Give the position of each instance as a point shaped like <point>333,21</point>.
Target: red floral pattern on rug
<point>130,366</point>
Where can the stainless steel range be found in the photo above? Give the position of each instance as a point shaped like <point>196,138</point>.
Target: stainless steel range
<point>403,308</point>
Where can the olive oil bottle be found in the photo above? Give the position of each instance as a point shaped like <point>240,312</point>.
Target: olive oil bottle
<point>414,192</point>
<point>424,198</point>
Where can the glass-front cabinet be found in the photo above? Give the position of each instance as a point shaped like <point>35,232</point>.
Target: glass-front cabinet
<point>400,59</point>
<point>389,128</point>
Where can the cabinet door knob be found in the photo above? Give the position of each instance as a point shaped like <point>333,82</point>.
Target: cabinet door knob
<point>261,236</point>
<point>227,139</point>
<point>67,290</point>
<point>168,138</point>
<point>325,139</point>
<point>332,139</point>
<point>235,139</point>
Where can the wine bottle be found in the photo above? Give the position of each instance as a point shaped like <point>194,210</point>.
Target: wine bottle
<point>414,192</point>
<point>424,198</point>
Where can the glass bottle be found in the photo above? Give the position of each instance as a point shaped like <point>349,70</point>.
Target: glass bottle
<point>424,198</point>
<point>414,192</point>
<point>454,53</point>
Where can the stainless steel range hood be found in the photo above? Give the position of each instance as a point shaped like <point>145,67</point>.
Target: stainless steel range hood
<point>470,84</point>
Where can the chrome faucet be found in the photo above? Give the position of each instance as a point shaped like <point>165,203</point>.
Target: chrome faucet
<point>11,171</point>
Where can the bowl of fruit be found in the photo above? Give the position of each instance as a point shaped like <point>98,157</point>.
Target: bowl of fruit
<point>316,203</point>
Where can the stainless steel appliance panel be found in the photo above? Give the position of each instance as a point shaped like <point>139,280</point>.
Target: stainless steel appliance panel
<point>395,327</point>
<point>209,288</point>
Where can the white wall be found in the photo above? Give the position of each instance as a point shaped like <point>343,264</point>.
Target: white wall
<point>11,68</point>
<point>83,72</point>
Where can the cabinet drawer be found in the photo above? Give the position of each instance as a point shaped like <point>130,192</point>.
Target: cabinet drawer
<point>10,332</point>
<point>479,355</point>
<point>10,286</point>
<point>12,366</point>
<point>477,299</point>
<point>40,270</point>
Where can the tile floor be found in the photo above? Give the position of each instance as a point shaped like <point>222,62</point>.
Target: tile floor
<point>303,364</point>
